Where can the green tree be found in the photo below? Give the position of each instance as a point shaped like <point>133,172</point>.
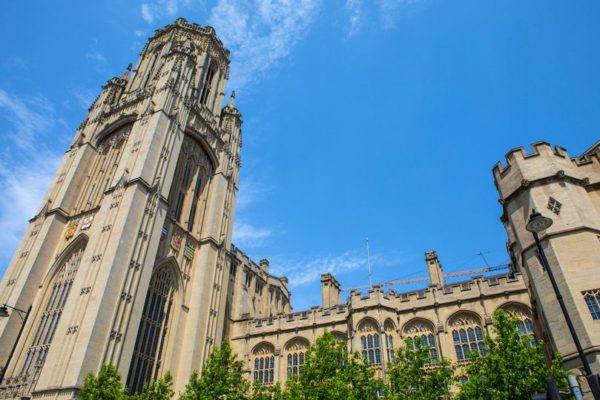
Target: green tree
<point>222,377</point>
<point>513,367</point>
<point>330,373</point>
<point>263,392</point>
<point>159,389</point>
<point>106,386</point>
<point>415,374</point>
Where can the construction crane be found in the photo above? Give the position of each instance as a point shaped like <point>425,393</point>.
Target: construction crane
<point>399,282</point>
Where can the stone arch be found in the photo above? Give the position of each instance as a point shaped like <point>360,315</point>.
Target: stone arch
<point>418,325</point>
<point>368,324</point>
<point>516,308</point>
<point>79,240</point>
<point>171,263</point>
<point>389,325</point>
<point>341,336</point>
<point>296,343</point>
<point>113,127</point>
<point>263,348</point>
<point>464,317</point>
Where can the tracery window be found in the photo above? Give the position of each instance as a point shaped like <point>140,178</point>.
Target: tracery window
<point>264,364</point>
<point>525,324</point>
<point>207,87</point>
<point>295,358</point>
<point>592,299</point>
<point>104,167</point>
<point>389,328</point>
<point>370,342</point>
<point>153,330</point>
<point>422,332</point>
<point>190,181</point>
<point>467,335</point>
<point>55,300</point>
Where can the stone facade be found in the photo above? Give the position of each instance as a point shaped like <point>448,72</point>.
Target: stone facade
<point>129,260</point>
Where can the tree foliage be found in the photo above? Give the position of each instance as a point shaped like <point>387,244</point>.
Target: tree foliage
<point>106,386</point>
<point>513,366</point>
<point>416,375</point>
<point>159,389</point>
<point>330,373</point>
<point>222,377</point>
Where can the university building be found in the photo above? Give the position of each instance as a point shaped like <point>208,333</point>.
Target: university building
<point>129,259</point>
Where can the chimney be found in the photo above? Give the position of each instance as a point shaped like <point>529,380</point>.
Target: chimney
<point>264,265</point>
<point>330,291</point>
<point>436,277</point>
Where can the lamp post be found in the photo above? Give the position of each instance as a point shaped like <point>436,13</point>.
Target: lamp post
<point>538,223</point>
<point>3,314</point>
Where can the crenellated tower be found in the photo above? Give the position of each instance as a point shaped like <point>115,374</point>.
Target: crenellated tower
<point>566,189</point>
<point>127,258</point>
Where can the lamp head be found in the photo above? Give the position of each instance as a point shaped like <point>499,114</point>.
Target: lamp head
<point>538,223</point>
<point>4,312</point>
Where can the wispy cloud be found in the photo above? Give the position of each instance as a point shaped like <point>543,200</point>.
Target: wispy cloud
<point>84,97</point>
<point>305,271</point>
<point>24,175</point>
<point>384,12</point>
<point>354,12</point>
<point>157,9</point>
<point>246,235</point>
<point>250,191</point>
<point>260,33</point>
<point>26,117</point>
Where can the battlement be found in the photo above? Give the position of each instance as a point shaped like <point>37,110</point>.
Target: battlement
<point>543,161</point>
<point>192,27</point>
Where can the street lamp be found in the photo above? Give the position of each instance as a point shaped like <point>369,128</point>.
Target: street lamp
<point>3,314</point>
<point>538,223</point>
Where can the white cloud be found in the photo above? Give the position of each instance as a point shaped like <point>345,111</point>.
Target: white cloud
<point>84,97</point>
<point>250,191</point>
<point>26,174</point>
<point>354,12</point>
<point>305,271</point>
<point>27,117</point>
<point>154,10</point>
<point>260,33</point>
<point>95,55</point>
<point>386,11</point>
<point>246,235</point>
<point>22,186</point>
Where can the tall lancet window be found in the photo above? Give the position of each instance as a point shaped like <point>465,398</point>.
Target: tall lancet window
<point>152,334</point>
<point>54,302</point>
<point>207,87</point>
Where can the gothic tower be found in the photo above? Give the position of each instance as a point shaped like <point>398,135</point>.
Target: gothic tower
<point>125,261</point>
<point>565,189</point>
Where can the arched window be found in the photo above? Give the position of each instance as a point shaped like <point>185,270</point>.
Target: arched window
<point>467,335</point>
<point>192,174</point>
<point>296,350</point>
<point>104,167</point>
<point>369,342</point>
<point>525,324</point>
<point>421,332</point>
<point>264,364</point>
<point>207,85</point>
<point>389,328</point>
<point>152,334</point>
<point>54,301</point>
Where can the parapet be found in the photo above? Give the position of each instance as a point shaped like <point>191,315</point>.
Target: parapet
<point>543,161</point>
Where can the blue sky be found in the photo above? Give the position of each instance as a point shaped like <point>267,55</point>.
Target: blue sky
<point>361,118</point>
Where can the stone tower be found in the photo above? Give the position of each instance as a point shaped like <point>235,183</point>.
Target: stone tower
<point>125,261</point>
<point>567,190</point>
